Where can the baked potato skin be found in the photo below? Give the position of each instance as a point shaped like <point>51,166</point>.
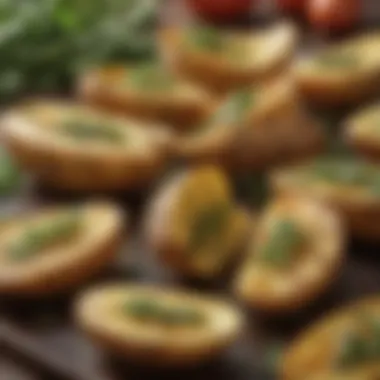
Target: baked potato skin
<point>219,77</point>
<point>361,217</point>
<point>159,355</point>
<point>305,294</point>
<point>171,246</point>
<point>343,93</point>
<point>68,276</point>
<point>313,352</point>
<point>80,170</point>
<point>94,88</point>
<point>365,144</point>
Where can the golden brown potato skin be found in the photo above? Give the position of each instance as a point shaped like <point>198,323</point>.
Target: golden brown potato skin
<point>275,128</point>
<point>82,170</point>
<point>327,88</point>
<point>217,75</point>
<point>67,275</point>
<point>167,239</point>
<point>257,289</point>
<point>99,88</point>
<point>312,354</point>
<point>360,132</point>
<point>161,353</point>
<point>361,214</point>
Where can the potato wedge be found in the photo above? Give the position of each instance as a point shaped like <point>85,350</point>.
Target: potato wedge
<point>362,132</point>
<point>158,326</point>
<point>194,225</point>
<point>351,186</point>
<point>289,264</point>
<point>341,74</point>
<point>225,60</point>
<point>262,123</point>
<point>55,249</point>
<point>340,346</point>
<point>147,91</point>
<point>73,147</point>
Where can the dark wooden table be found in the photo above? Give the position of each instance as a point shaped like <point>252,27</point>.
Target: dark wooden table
<point>39,341</point>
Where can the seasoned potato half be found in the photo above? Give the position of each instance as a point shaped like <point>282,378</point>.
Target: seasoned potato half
<point>73,147</point>
<point>57,248</point>
<point>226,60</point>
<point>265,121</point>
<point>147,90</point>
<point>343,73</point>
<point>362,131</point>
<point>294,255</point>
<point>342,346</point>
<point>158,326</point>
<point>351,186</point>
<point>194,224</point>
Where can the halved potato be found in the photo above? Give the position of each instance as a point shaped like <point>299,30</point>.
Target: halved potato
<point>193,223</point>
<point>147,91</point>
<point>349,185</point>
<point>49,251</point>
<point>264,122</point>
<point>343,73</point>
<point>295,254</point>
<point>158,326</point>
<point>227,60</point>
<point>362,131</point>
<point>74,147</point>
<point>343,345</point>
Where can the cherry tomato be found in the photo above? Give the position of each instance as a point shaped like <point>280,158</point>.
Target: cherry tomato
<point>334,15</point>
<point>220,9</point>
<point>294,6</point>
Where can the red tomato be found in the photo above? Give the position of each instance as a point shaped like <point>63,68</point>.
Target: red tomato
<point>334,14</point>
<point>296,6</point>
<point>220,9</point>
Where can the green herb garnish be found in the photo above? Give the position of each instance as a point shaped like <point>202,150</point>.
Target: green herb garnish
<point>360,346</point>
<point>37,238</point>
<point>338,60</point>
<point>10,175</point>
<point>150,77</point>
<point>151,311</point>
<point>207,38</point>
<point>282,245</point>
<point>86,130</point>
<point>235,108</point>
<point>348,173</point>
<point>208,224</point>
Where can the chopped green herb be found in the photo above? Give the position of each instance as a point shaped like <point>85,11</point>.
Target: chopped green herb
<point>10,176</point>
<point>150,77</point>
<point>362,345</point>
<point>235,108</point>
<point>149,310</point>
<point>86,130</point>
<point>338,60</point>
<point>208,224</point>
<point>207,38</point>
<point>36,238</point>
<point>347,172</point>
<point>283,242</point>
